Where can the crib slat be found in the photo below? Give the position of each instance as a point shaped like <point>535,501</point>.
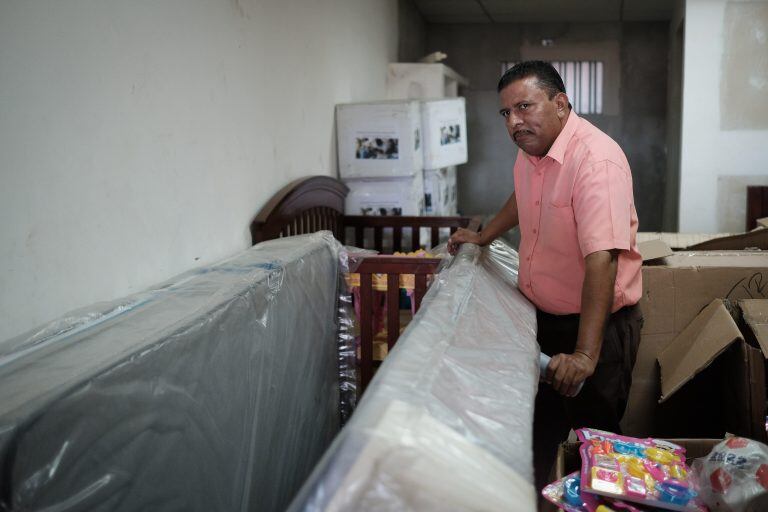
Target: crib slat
<point>377,239</point>
<point>415,238</point>
<point>397,239</point>
<point>309,222</point>
<point>359,236</point>
<point>366,329</point>
<point>393,310</point>
<point>326,220</point>
<point>421,289</point>
<point>435,236</point>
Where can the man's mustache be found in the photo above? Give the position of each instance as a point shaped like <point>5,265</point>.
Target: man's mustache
<point>521,132</point>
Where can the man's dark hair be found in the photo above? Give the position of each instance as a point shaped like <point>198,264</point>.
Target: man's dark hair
<point>547,77</point>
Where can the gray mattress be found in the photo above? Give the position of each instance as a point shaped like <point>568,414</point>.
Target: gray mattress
<point>218,390</point>
<point>446,423</point>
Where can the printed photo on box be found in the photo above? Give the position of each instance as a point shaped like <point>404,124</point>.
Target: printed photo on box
<point>376,148</point>
<point>383,211</point>
<point>450,134</point>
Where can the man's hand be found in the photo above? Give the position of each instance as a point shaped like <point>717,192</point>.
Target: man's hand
<point>567,371</point>
<point>461,236</point>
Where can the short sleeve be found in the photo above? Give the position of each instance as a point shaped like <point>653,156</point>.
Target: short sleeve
<point>602,207</point>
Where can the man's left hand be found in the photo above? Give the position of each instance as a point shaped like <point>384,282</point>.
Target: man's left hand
<point>567,371</point>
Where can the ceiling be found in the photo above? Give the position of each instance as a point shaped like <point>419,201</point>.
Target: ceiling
<point>543,11</point>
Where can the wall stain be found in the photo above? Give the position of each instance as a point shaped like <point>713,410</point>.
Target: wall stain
<point>240,9</point>
<point>744,69</point>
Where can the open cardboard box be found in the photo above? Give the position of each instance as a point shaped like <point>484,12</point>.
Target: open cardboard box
<point>675,290</point>
<point>713,374</point>
<point>755,239</point>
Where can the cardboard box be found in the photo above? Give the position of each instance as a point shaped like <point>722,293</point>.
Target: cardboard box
<point>444,126</point>
<point>379,140</point>
<point>440,192</point>
<point>451,207</point>
<point>411,80</point>
<point>755,239</point>
<point>679,241</point>
<point>674,293</point>
<point>436,193</point>
<point>654,249</point>
<point>394,196</point>
<point>712,378</point>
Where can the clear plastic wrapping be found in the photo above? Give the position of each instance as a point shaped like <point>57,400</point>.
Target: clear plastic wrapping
<point>218,390</point>
<point>346,335</point>
<point>447,420</point>
<point>734,476</point>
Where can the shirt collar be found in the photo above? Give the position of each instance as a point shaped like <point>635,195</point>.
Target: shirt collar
<point>557,151</point>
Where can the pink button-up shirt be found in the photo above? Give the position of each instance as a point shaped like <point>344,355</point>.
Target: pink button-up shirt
<point>575,200</point>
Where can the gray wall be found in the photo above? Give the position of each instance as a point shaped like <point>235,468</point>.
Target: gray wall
<point>139,139</point>
<point>674,117</point>
<point>412,32</point>
<point>636,56</point>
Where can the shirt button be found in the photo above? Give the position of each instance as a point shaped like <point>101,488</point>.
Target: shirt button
<point>527,258</point>
<point>537,203</point>
<point>528,285</point>
<point>534,230</point>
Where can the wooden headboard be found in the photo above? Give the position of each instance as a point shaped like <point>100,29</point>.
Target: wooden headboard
<point>317,203</point>
<point>303,206</point>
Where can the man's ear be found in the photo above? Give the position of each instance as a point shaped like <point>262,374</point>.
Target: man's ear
<point>561,102</point>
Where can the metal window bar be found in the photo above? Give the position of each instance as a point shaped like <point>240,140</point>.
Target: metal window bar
<point>583,83</point>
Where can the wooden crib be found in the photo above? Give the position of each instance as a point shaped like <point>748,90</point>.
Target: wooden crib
<point>316,203</point>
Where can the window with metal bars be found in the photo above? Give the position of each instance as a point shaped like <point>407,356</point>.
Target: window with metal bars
<point>583,81</point>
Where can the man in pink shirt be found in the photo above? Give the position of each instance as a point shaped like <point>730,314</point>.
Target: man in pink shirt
<point>579,262</point>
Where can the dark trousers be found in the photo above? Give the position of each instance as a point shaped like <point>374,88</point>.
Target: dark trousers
<point>602,400</point>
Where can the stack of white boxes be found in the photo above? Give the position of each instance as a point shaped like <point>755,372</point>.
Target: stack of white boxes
<point>380,157</point>
<point>385,146</point>
<point>424,81</point>
<point>444,123</point>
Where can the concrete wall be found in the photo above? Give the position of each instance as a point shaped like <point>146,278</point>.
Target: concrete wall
<point>635,56</point>
<point>138,139</point>
<point>671,208</point>
<point>725,112</point>
<point>412,32</point>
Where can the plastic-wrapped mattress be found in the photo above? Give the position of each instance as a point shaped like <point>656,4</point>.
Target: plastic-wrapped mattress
<point>447,421</point>
<point>216,391</point>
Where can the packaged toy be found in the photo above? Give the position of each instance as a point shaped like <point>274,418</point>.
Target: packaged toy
<point>649,472</point>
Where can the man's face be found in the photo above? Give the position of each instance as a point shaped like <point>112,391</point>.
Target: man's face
<point>533,120</point>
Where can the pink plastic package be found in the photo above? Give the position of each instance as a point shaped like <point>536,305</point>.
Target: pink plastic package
<point>734,476</point>
<point>649,472</point>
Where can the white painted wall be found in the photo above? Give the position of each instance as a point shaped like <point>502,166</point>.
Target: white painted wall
<point>709,154</point>
<point>139,138</point>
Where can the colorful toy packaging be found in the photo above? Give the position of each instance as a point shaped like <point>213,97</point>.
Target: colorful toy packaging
<point>628,474</point>
<point>566,494</point>
<point>734,476</point>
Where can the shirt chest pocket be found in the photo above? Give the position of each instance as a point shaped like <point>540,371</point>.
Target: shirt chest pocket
<point>558,190</point>
<point>560,197</point>
<point>558,229</point>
